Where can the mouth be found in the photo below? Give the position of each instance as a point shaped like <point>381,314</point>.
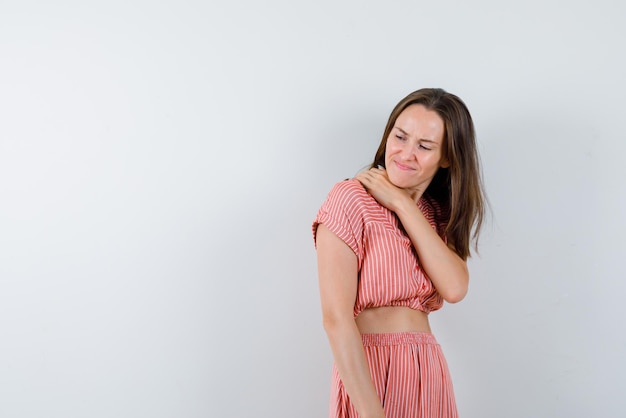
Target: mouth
<point>403,167</point>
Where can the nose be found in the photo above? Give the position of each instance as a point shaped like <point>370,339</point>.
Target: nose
<point>407,151</point>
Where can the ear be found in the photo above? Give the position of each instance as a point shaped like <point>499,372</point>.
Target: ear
<point>444,163</point>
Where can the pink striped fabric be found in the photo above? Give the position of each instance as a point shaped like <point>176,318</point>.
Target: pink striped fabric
<point>389,271</point>
<point>410,375</point>
<point>409,370</point>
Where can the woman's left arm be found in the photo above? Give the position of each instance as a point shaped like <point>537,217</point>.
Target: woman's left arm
<point>442,264</point>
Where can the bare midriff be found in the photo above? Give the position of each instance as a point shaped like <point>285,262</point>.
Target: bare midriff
<point>389,319</point>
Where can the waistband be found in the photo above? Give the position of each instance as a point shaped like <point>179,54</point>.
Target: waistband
<point>398,338</point>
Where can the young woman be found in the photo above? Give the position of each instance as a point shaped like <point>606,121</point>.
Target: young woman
<point>392,245</point>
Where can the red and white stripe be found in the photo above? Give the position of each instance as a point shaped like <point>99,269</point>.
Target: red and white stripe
<point>410,374</point>
<point>408,369</point>
<point>389,271</point>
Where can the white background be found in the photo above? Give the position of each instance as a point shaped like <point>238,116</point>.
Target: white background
<point>161,163</point>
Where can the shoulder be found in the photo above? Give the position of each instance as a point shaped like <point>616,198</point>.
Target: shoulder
<point>350,197</point>
<point>350,189</point>
<point>345,213</point>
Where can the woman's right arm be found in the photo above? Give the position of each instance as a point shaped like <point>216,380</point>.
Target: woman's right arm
<point>338,278</point>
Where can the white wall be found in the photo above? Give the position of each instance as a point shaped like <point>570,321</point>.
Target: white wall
<point>161,162</point>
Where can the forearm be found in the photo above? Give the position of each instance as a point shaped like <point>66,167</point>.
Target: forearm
<point>347,346</point>
<point>444,267</point>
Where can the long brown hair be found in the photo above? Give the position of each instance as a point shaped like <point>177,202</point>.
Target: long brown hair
<point>459,187</point>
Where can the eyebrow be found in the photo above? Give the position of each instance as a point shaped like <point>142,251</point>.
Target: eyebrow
<point>421,139</point>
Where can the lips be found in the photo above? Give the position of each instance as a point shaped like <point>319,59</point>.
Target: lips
<point>403,167</point>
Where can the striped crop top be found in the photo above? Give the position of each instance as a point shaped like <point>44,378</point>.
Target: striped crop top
<point>389,271</point>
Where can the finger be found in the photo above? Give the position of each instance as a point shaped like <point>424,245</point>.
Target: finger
<point>361,176</point>
<point>363,179</point>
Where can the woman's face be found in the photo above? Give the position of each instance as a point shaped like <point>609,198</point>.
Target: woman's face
<point>414,149</point>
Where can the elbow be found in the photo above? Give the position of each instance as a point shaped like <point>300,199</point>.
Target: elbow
<point>456,293</point>
<point>333,322</point>
<point>457,287</point>
<point>455,296</point>
<point>328,323</point>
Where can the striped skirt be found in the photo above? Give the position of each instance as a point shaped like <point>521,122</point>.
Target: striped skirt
<point>410,374</point>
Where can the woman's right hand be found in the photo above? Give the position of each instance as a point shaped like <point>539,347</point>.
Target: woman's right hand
<point>378,185</point>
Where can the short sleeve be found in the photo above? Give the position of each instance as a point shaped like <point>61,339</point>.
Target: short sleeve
<point>343,213</point>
